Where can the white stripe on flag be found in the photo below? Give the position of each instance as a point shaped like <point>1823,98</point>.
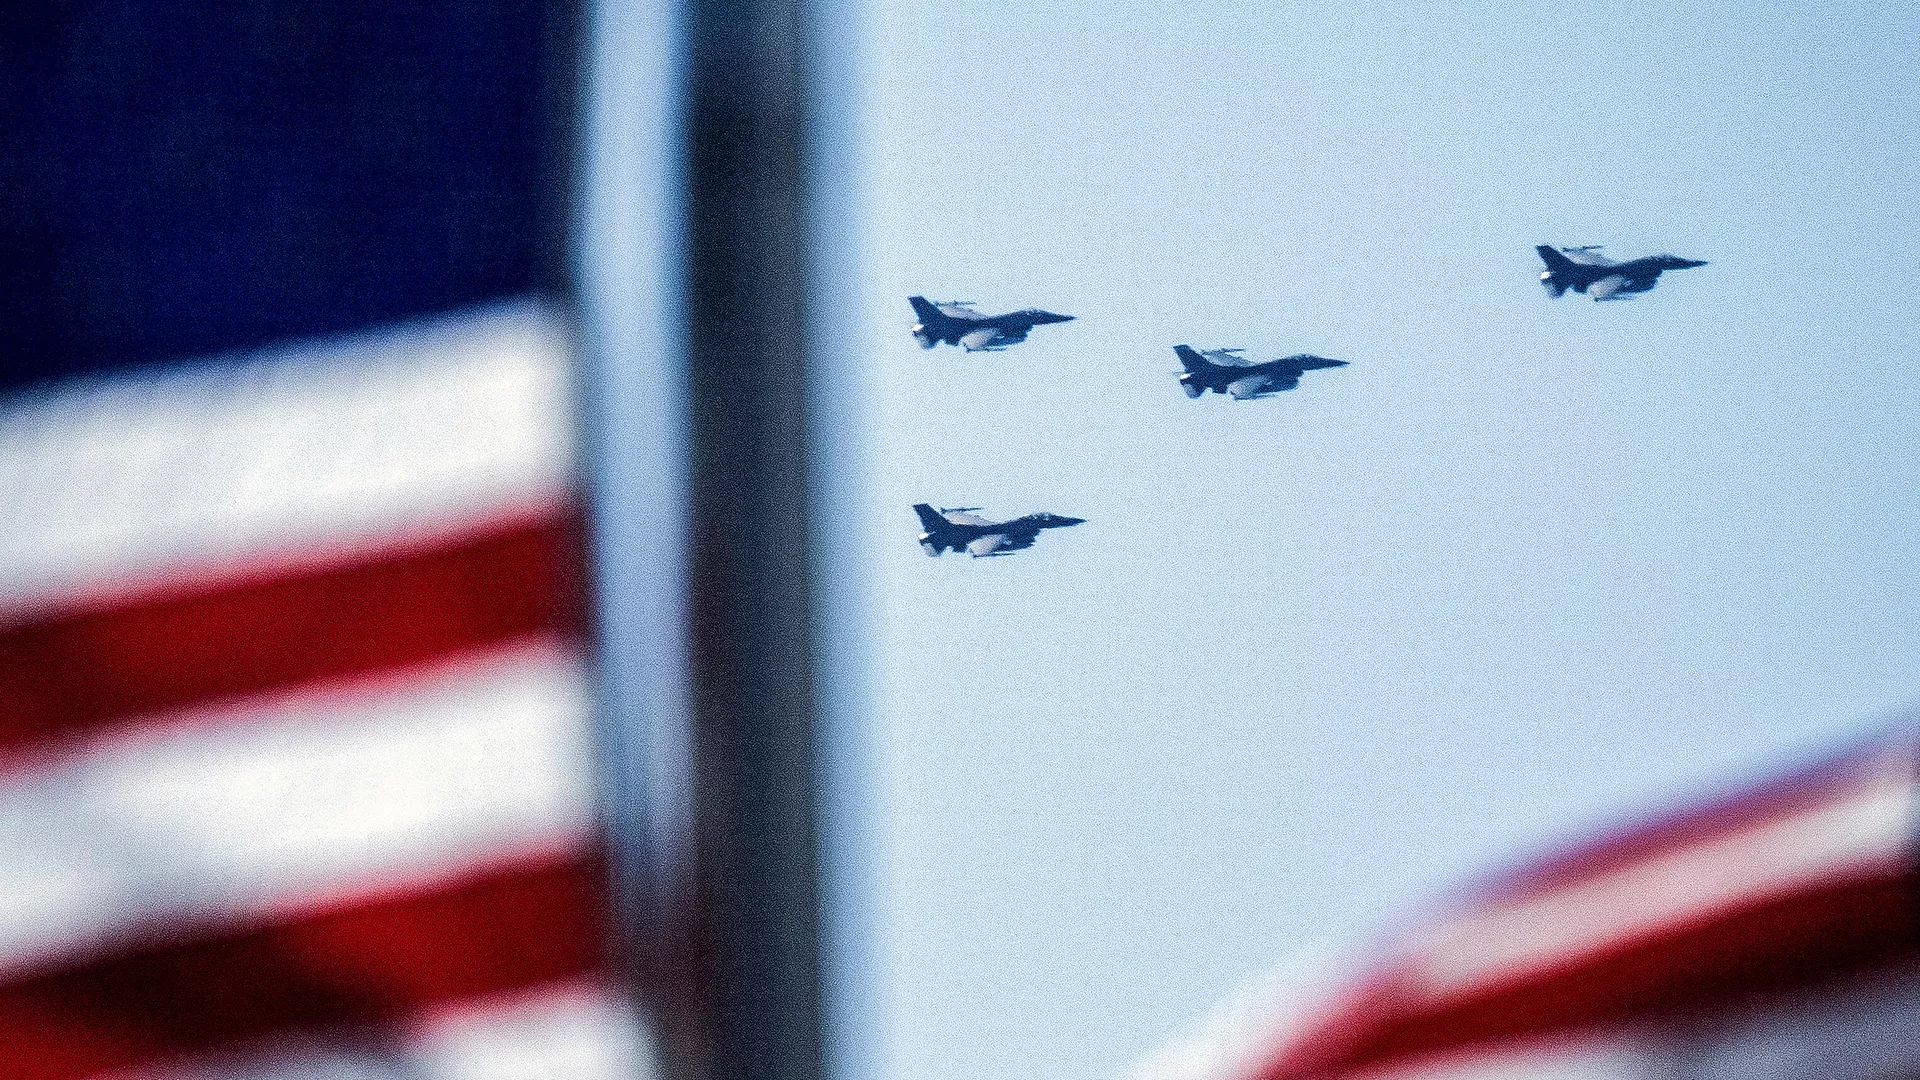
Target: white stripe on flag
<point>385,434</point>
<point>1240,1033</point>
<point>572,1033</point>
<point>1592,1057</point>
<point>268,807</point>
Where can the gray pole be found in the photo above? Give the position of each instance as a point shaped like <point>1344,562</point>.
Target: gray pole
<point>736,973</point>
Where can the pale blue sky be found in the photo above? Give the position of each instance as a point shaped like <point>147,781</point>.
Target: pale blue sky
<point>1522,568</point>
<point>1526,567</point>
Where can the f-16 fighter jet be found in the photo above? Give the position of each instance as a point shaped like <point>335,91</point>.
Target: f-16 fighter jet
<point>1584,270</point>
<point>957,323</point>
<point>1223,371</point>
<point>957,528</point>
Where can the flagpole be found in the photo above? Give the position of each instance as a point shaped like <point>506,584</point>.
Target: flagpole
<point>739,990</point>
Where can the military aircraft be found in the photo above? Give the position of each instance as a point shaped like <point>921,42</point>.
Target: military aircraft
<point>957,528</point>
<point>1584,270</point>
<point>957,323</point>
<point>1223,371</point>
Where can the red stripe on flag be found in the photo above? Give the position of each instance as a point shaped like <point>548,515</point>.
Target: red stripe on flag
<point>67,675</point>
<point>363,966</point>
<point>1780,946</point>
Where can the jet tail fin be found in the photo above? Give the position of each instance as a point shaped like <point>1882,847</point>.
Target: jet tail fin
<point>1555,261</point>
<point>1191,360</point>
<point>930,519</point>
<point>925,308</point>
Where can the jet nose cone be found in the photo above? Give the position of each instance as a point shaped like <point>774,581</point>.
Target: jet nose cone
<point>1069,521</point>
<point>1050,317</point>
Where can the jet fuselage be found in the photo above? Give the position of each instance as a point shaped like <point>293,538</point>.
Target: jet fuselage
<point>1215,370</point>
<point>958,324</point>
<point>959,530</point>
<point>1575,269</point>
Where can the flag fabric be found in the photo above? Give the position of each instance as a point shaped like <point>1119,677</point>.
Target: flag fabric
<point>296,750</point>
<point>1771,934</point>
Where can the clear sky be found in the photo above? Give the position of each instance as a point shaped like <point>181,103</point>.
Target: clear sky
<point>1526,567</point>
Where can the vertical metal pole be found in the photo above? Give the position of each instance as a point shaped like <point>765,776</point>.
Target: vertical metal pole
<point>738,993</point>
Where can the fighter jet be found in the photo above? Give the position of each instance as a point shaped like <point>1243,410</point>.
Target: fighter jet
<point>1223,371</point>
<point>957,528</point>
<point>1584,270</point>
<point>957,323</point>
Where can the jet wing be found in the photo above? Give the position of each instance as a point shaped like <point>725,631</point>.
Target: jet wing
<point>992,544</point>
<point>1586,257</point>
<point>965,312</point>
<point>987,337</point>
<point>962,517</point>
<point>1606,287</point>
<point>1254,386</point>
<point>1015,539</point>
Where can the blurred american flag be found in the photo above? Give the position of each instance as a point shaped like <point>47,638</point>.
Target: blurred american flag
<point>296,775</point>
<point>1771,934</point>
